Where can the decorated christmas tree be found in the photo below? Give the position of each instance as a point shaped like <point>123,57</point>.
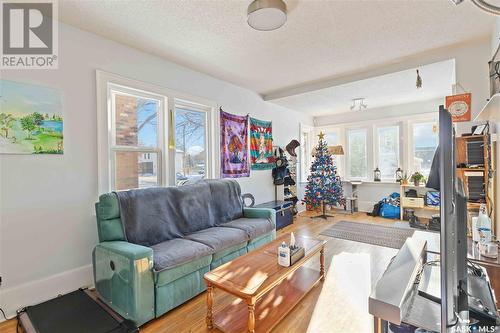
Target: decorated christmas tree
<point>324,186</point>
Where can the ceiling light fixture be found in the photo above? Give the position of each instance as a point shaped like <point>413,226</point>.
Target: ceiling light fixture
<point>266,15</point>
<point>419,81</point>
<point>481,4</point>
<point>358,103</point>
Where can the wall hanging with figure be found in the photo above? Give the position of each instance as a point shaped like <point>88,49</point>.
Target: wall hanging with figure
<point>31,119</point>
<point>234,145</point>
<point>261,144</point>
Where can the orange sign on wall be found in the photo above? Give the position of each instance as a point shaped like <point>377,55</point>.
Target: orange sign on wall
<point>459,106</point>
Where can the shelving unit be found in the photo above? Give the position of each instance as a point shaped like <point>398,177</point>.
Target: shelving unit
<point>465,170</point>
<point>427,210</point>
<point>290,191</point>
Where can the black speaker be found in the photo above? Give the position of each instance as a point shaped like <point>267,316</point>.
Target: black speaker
<point>475,153</point>
<point>475,188</point>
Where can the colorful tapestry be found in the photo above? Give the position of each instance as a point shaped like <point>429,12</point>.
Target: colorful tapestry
<point>261,144</point>
<point>234,145</point>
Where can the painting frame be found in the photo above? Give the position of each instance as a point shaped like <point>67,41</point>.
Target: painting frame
<point>31,119</point>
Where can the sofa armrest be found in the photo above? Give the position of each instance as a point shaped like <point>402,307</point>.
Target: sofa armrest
<point>123,277</point>
<point>260,213</point>
<point>128,250</point>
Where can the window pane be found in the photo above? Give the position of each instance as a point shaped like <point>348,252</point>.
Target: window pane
<point>135,170</point>
<point>357,160</point>
<point>425,142</point>
<point>190,141</point>
<point>332,138</point>
<point>388,151</point>
<point>136,120</point>
<point>306,156</point>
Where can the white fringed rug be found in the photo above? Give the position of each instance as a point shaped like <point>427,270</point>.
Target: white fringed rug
<point>369,233</point>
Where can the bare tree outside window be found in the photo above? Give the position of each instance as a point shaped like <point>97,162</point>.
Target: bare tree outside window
<point>190,141</point>
<point>357,155</point>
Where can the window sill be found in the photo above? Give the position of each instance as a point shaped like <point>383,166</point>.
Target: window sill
<point>371,182</point>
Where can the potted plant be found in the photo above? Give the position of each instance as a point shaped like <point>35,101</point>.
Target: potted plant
<point>404,179</point>
<point>416,178</point>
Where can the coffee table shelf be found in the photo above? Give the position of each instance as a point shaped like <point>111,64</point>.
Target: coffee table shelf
<point>272,307</point>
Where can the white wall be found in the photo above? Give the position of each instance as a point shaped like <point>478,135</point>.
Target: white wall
<point>369,193</point>
<point>47,227</point>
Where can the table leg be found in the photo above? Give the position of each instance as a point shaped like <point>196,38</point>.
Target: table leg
<point>210,304</point>
<point>251,317</point>
<point>322,263</point>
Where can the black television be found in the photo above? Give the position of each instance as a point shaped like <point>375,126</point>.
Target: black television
<point>453,211</point>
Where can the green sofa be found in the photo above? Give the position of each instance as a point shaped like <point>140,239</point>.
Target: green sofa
<point>143,281</point>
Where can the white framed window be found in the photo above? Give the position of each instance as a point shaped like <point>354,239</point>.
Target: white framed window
<point>136,139</point>
<point>191,140</point>
<point>424,141</point>
<point>139,137</point>
<point>334,137</point>
<point>306,145</point>
<point>357,153</point>
<point>387,152</point>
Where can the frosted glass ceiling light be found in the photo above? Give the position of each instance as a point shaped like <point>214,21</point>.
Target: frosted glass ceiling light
<point>266,15</point>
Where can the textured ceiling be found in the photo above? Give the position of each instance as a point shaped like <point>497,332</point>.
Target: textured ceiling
<point>321,39</point>
<point>390,89</point>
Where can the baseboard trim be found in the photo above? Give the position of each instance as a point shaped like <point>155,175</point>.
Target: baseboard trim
<point>34,292</point>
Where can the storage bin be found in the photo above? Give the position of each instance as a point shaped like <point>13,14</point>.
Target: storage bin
<point>412,202</point>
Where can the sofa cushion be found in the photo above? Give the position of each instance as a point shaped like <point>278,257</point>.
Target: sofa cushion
<point>219,238</point>
<point>254,227</point>
<point>226,204</point>
<point>175,252</point>
<point>169,275</point>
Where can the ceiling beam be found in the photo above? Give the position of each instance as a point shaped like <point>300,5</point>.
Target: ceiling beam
<point>410,62</point>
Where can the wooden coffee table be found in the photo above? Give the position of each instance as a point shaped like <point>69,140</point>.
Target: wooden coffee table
<point>266,291</point>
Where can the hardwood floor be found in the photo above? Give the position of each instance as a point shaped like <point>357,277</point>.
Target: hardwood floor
<point>339,304</point>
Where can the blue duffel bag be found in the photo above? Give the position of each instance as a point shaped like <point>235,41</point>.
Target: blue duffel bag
<point>388,210</point>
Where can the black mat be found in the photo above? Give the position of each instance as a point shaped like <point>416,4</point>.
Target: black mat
<point>369,233</point>
<point>75,312</point>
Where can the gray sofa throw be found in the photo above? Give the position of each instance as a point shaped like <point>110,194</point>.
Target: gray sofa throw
<point>227,204</point>
<point>154,215</point>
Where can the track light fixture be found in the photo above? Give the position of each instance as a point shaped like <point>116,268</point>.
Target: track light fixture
<point>359,104</point>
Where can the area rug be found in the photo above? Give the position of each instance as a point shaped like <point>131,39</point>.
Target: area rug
<point>369,233</point>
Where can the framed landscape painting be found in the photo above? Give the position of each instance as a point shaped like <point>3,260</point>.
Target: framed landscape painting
<point>31,120</point>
